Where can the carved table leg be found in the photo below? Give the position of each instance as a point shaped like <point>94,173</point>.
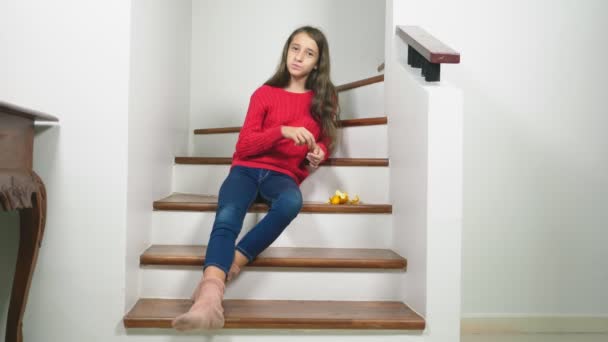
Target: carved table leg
<point>32,221</point>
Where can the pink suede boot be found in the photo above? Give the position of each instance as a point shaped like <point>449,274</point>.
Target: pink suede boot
<point>207,311</point>
<point>234,271</point>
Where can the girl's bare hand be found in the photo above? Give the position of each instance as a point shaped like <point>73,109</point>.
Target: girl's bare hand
<point>316,156</point>
<point>299,135</point>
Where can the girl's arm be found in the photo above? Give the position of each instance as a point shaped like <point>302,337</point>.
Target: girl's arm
<point>253,139</point>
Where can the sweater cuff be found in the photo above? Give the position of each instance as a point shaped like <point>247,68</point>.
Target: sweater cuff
<point>275,134</point>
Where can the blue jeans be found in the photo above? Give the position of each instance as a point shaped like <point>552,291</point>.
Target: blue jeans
<point>242,186</point>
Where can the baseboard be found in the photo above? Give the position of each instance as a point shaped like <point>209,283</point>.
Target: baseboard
<point>515,324</point>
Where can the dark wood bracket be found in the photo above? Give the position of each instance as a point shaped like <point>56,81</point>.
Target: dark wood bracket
<point>430,71</point>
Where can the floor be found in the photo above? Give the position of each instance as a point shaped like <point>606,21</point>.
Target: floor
<point>536,338</point>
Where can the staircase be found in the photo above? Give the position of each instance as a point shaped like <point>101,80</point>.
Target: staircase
<point>343,248</point>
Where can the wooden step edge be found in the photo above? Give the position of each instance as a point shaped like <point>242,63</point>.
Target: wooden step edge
<point>178,255</point>
<point>284,314</point>
<point>360,83</point>
<point>218,130</point>
<point>375,162</point>
<point>152,260</point>
<point>262,208</point>
<point>381,120</point>
<point>203,160</point>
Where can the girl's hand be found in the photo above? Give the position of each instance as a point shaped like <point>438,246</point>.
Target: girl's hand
<point>299,135</point>
<point>316,156</point>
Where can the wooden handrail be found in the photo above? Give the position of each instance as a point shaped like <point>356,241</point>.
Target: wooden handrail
<point>426,52</point>
<point>342,123</point>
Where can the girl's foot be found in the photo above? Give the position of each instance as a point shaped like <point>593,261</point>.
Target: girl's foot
<point>207,311</point>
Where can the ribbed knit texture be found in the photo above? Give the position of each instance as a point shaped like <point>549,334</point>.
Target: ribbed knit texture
<point>261,143</point>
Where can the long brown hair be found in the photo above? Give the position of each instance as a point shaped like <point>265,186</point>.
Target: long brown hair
<point>324,107</point>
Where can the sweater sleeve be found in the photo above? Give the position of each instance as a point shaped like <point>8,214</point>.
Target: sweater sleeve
<point>253,139</point>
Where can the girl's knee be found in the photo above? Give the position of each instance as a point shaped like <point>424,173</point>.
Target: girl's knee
<point>229,214</point>
<point>290,203</point>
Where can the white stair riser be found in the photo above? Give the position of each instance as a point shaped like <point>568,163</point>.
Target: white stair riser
<point>369,182</point>
<point>353,142</point>
<point>363,102</point>
<point>278,283</point>
<point>306,230</point>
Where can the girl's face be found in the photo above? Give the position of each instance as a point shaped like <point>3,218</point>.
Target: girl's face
<point>302,55</point>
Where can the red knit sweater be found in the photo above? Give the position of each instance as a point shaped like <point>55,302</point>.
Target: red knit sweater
<point>261,143</point>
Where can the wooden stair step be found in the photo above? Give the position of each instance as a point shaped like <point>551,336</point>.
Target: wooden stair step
<point>381,120</point>
<point>284,314</point>
<point>191,255</point>
<point>328,162</point>
<point>360,83</point>
<point>195,202</point>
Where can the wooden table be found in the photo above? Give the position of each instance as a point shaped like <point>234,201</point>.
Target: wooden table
<point>21,189</point>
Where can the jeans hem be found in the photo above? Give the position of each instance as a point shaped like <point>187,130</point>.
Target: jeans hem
<point>245,253</point>
<point>216,265</point>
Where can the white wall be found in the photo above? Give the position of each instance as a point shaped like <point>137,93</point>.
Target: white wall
<point>158,115</point>
<point>231,58</point>
<point>71,59</point>
<point>535,151</point>
<point>425,149</point>
<point>408,103</point>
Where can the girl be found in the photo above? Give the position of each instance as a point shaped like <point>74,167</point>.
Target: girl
<point>291,122</point>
